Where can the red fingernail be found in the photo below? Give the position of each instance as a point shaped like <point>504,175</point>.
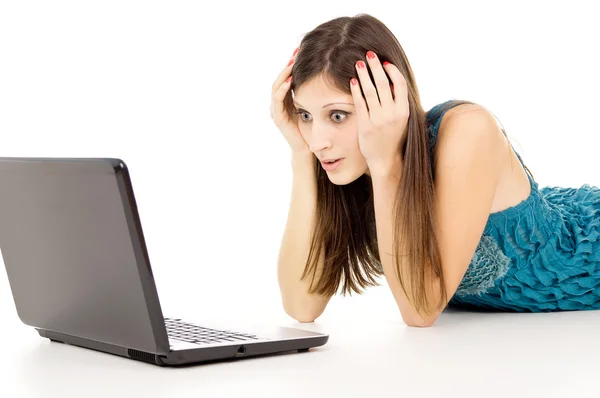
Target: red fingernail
<point>288,79</point>
<point>370,54</point>
<point>296,51</point>
<point>385,62</point>
<point>291,62</point>
<point>360,64</point>
<point>353,81</point>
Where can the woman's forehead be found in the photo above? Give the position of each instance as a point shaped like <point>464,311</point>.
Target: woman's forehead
<point>317,92</point>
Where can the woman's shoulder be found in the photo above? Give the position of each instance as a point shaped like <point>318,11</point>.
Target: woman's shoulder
<point>439,114</point>
<point>463,114</point>
<point>437,118</point>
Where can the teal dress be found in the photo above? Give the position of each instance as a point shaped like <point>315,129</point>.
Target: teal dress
<point>540,255</point>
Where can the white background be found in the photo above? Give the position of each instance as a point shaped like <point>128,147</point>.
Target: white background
<point>180,90</point>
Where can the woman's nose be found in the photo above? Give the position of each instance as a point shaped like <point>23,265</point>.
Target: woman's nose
<point>319,140</point>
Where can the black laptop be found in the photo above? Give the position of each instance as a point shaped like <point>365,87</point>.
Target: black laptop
<point>79,272</point>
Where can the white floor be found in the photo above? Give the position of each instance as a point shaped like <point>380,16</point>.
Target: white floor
<point>370,353</point>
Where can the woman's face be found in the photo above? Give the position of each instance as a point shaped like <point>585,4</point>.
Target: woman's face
<point>327,122</point>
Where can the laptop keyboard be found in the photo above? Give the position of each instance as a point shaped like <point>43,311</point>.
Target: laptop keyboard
<point>183,331</point>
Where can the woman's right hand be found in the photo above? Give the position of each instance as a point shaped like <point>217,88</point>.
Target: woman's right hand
<point>280,116</point>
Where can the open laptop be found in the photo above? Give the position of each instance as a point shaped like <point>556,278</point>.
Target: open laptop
<point>79,272</point>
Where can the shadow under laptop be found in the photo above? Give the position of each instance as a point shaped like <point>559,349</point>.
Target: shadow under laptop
<point>66,370</point>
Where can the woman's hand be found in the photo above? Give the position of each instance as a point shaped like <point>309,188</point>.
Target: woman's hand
<point>284,123</point>
<point>384,123</point>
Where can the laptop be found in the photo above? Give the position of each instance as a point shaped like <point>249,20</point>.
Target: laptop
<point>79,272</point>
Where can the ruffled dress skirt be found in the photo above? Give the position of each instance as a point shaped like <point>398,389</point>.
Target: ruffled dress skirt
<point>538,256</point>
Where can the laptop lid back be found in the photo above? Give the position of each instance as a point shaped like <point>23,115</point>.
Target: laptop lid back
<point>74,251</point>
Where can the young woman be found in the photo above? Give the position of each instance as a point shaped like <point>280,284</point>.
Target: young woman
<point>435,201</point>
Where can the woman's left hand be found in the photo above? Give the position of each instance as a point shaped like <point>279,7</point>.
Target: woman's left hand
<point>384,123</point>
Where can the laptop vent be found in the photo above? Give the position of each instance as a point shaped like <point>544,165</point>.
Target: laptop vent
<point>141,356</point>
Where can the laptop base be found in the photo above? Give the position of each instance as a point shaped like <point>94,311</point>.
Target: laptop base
<point>191,356</point>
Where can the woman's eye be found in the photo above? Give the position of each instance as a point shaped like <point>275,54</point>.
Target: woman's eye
<point>342,114</point>
<point>301,113</point>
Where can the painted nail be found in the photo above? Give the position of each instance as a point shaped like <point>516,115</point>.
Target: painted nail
<point>386,63</point>
<point>291,62</point>
<point>353,81</point>
<point>288,79</point>
<point>296,51</point>
<point>360,64</point>
<point>370,54</point>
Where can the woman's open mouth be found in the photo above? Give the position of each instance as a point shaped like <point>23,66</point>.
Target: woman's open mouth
<point>331,166</point>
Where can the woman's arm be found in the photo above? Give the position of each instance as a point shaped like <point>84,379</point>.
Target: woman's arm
<point>293,254</point>
<point>468,167</point>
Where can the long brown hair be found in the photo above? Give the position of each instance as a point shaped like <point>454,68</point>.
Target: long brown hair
<point>344,226</point>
